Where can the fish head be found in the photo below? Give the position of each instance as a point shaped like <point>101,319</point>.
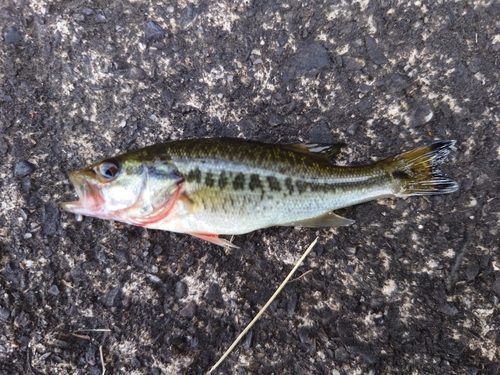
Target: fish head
<point>123,189</point>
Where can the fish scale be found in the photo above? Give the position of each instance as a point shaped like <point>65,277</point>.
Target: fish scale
<point>207,187</point>
<point>272,202</point>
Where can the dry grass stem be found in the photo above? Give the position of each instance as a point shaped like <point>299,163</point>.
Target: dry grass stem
<point>102,361</point>
<point>273,297</point>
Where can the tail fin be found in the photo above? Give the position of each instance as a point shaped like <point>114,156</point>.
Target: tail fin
<point>418,172</point>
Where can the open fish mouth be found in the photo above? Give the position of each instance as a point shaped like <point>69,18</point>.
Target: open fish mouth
<point>73,206</point>
<point>89,201</point>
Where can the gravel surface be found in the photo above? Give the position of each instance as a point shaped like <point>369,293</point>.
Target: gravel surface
<point>412,288</point>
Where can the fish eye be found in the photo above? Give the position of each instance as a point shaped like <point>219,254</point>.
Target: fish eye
<point>107,170</point>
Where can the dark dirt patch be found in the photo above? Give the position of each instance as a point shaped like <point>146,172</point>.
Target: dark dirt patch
<point>412,287</point>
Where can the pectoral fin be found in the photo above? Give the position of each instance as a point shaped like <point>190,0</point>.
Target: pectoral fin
<point>322,221</point>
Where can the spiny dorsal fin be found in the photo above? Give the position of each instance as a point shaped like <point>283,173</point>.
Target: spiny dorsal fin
<point>327,220</point>
<point>326,150</point>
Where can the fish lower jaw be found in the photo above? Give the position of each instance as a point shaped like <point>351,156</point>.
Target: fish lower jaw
<point>74,207</point>
<point>77,207</point>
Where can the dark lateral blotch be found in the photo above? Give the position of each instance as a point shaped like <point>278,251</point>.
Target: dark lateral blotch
<point>274,184</point>
<point>254,182</point>
<point>194,175</point>
<point>239,182</point>
<point>289,185</point>
<point>222,180</point>
<point>209,179</point>
<point>301,186</point>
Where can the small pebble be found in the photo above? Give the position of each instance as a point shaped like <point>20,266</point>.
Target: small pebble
<point>112,298</point>
<point>214,293</point>
<point>189,310</point>
<point>99,17</point>
<point>4,313</point>
<point>94,370</point>
<point>180,289</point>
<point>136,73</point>
<point>54,290</point>
<point>448,309</point>
<point>34,227</point>
<point>351,129</point>
<point>153,278</point>
<point>341,354</point>
<point>472,271</point>
<point>12,35</point>
<point>79,17</point>
<point>23,168</point>
<point>496,286</point>
<point>153,31</point>
<point>492,369</point>
<point>275,120</point>
<point>352,63</point>
<point>364,88</point>
<point>87,11</point>
<point>374,51</point>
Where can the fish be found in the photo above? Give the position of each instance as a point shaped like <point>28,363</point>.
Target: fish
<point>230,186</point>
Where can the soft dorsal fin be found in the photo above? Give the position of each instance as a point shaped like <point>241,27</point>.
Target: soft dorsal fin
<point>326,150</point>
<point>327,220</point>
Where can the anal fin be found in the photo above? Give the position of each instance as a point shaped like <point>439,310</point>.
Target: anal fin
<point>327,220</point>
<point>214,238</point>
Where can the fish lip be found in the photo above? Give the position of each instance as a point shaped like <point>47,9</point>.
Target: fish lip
<point>73,206</point>
<point>83,190</point>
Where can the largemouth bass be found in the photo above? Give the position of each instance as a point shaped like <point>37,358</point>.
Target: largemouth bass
<point>208,187</point>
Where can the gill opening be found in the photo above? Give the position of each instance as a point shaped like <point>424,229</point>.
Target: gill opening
<point>142,201</point>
